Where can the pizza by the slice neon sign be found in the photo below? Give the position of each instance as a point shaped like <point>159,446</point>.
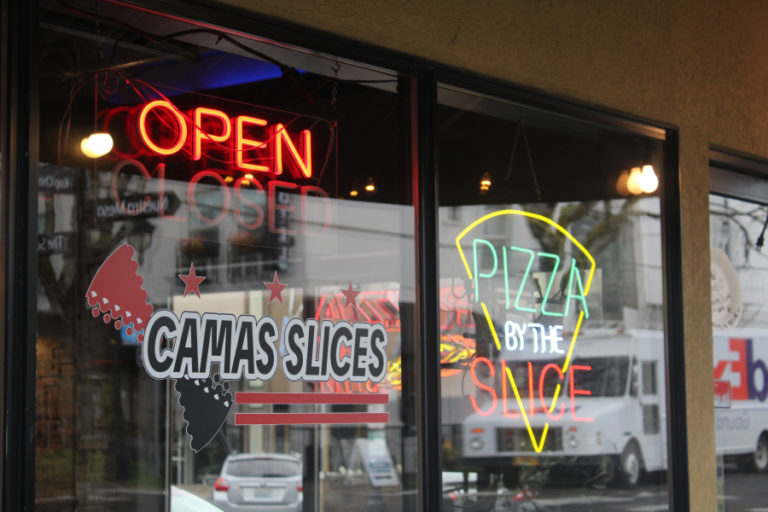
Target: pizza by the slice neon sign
<point>540,339</point>
<point>165,131</point>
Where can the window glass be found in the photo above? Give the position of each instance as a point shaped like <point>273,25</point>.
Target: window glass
<point>551,291</point>
<point>649,377</point>
<point>740,347</point>
<point>233,277</point>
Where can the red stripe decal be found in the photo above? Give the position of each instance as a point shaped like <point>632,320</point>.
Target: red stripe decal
<point>287,418</point>
<point>312,398</point>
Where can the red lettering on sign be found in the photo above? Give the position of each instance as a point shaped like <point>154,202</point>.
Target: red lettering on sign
<point>192,197</point>
<point>739,345</point>
<point>537,402</point>
<point>173,121</point>
<point>243,144</point>
<point>482,386</point>
<point>244,201</point>
<point>219,212</point>
<point>575,392</point>
<point>164,130</point>
<point>300,166</point>
<point>509,413</point>
<point>200,134</point>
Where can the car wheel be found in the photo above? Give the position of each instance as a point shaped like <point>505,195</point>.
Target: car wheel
<point>630,466</point>
<point>759,459</point>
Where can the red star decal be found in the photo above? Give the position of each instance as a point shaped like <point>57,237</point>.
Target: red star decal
<point>350,296</point>
<point>275,289</point>
<point>192,281</point>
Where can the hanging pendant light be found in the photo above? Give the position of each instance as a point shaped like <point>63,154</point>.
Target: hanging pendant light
<point>97,144</point>
<point>648,180</point>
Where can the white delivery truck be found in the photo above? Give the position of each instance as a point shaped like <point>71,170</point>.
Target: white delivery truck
<point>741,393</point>
<point>610,414</point>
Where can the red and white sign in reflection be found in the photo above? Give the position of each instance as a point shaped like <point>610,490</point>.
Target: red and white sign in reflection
<point>293,418</point>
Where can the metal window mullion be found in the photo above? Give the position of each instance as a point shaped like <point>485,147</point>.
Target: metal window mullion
<point>677,425</point>
<point>428,343</point>
<point>19,248</point>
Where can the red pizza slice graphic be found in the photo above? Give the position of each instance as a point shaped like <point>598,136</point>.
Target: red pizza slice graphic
<point>116,292</point>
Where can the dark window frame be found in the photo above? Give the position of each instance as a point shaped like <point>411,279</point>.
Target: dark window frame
<point>19,27</point>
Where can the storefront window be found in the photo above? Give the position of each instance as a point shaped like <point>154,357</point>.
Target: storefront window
<point>225,296</point>
<point>552,341</point>
<point>740,339</point>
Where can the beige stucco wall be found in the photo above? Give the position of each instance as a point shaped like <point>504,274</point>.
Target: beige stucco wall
<point>699,65</point>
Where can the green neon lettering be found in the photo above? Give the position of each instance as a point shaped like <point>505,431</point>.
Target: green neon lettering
<point>579,296</point>
<point>525,278</point>
<point>478,275</point>
<point>506,276</point>
<point>549,285</point>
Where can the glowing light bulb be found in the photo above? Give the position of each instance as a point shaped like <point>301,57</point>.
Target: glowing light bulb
<point>633,183</point>
<point>249,176</point>
<point>485,182</point>
<point>96,145</point>
<point>621,184</point>
<point>353,193</point>
<point>370,186</point>
<point>648,180</point>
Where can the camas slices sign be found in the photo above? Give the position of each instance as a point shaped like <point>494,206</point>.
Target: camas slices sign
<point>247,347</point>
<point>193,347</point>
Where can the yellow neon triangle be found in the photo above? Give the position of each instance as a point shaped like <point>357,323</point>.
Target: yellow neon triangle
<point>538,446</point>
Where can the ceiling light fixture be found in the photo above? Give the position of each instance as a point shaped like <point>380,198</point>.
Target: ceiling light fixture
<point>485,183</point>
<point>633,183</point>
<point>638,181</point>
<point>648,180</point>
<point>98,143</point>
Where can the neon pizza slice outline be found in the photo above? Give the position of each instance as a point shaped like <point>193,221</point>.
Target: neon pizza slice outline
<point>538,446</point>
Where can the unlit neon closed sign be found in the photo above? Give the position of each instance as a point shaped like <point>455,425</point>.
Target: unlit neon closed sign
<point>262,155</point>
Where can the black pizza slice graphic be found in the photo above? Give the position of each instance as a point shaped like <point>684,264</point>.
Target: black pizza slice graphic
<point>206,404</point>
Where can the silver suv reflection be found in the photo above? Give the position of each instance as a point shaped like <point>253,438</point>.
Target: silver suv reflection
<point>263,482</point>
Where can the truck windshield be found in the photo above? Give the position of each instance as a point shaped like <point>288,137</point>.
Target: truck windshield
<point>607,377</point>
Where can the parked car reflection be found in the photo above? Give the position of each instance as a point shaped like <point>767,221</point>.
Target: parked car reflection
<point>260,483</point>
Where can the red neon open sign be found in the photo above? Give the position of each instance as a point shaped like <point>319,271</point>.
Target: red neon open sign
<point>256,160</point>
<point>253,144</point>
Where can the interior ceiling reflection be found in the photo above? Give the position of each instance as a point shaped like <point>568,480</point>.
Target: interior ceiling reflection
<point>179,60</point>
